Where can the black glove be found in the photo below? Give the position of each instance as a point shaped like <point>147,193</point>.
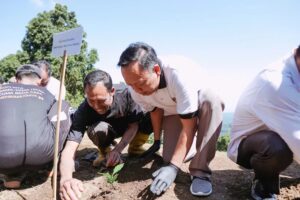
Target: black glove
<point>152,150</point>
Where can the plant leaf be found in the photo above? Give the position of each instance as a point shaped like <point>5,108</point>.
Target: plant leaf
<point>104,174</point>
<point>118,168</point>
<point>114,178</point>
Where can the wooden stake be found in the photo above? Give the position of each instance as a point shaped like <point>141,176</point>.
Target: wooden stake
<point>55,162</point>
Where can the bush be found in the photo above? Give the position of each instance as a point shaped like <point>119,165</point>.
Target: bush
<point>151,139</point>
<point>223,142</point>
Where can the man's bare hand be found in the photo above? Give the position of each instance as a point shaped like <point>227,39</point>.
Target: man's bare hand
<point>113,158</point>
<point>71,189</point>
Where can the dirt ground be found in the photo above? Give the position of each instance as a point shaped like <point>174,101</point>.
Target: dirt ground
<point>229,181</point>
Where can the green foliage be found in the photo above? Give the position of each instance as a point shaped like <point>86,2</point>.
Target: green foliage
<point>223,142</point>
<point>8,66</point>
<point>37,45</point>
<point>112,177</point>
<point>10,63</point>
<point>151,139</point>
<point>38,39</point>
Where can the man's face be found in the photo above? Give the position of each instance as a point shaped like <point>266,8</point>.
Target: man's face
<point>45,78</point>
<point>142,81</point>
<point>99,98</point>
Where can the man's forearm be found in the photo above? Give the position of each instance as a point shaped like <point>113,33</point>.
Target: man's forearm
<point>156,120</point>
<point>66,168</point>
<point>127,137</point>
<point>185,141</point>
<point>67,160</point>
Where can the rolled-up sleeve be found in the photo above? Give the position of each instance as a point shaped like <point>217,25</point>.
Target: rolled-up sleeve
<point>79,123</point>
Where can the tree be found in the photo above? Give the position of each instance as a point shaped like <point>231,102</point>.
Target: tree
<point>37,45</point>
<point>10,63</point>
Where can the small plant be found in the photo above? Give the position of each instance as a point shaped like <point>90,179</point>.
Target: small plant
<point>112,177</point>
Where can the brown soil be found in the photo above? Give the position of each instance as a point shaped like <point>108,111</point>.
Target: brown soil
<point>229,181</point>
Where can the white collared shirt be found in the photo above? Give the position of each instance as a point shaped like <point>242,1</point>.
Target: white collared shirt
<point>270,102</point>
<point>180,96</point>
<point>53,87</point>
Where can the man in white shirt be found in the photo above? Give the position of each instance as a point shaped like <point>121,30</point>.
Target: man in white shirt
<point>180,105</point>
<point>265,133</point>
<point>48,81</point>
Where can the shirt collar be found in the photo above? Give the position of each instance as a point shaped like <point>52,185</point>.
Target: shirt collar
<point>162,80</point>
<point>292,69</point>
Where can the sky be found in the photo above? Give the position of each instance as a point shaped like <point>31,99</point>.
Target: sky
<point>230,40</point>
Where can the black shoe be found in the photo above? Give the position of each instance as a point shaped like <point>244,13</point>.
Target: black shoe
<point>258,192</point>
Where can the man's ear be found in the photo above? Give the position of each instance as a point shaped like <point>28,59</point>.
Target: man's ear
<point>39,82</point>
<point>112,91</point>
<point>157,69</point>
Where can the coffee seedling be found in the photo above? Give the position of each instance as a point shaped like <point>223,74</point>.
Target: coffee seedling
<point>112,177</point>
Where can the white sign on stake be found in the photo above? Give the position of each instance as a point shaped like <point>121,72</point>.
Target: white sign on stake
<point>69,40</point>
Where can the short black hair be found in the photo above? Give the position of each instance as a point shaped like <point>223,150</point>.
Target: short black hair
<point>298,52</point>
<point>44,65</point>
<point>28,70</point>
<point>97,76</point>
<point>141,52</point>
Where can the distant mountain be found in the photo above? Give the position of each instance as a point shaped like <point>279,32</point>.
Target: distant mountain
<point>227,120</point>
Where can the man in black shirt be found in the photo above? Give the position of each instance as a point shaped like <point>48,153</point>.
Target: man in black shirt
<point>27,121</point>
<point>106,113</point>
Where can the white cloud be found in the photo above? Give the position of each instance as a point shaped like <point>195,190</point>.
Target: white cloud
<point>44,3</point>
<point>115,73</point>
<point>52,3</point>
<point>38,3</point>
<point>185,62</point>
<point>179,60</point>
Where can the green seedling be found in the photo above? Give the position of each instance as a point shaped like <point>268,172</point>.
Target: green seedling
<point>112,177</point>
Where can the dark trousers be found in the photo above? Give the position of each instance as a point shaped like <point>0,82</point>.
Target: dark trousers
<point>268,155</point>
<point>103,134</point>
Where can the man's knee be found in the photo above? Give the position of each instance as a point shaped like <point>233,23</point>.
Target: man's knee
<point>264,149</point>
<point>280,152</point>
<point>101,134</point>
<point>277,152</point>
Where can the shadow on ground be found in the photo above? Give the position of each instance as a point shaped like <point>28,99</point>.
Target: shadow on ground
<point>134,180</point>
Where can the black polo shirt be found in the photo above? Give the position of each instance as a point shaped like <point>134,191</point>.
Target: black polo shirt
<point>122,112</point>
